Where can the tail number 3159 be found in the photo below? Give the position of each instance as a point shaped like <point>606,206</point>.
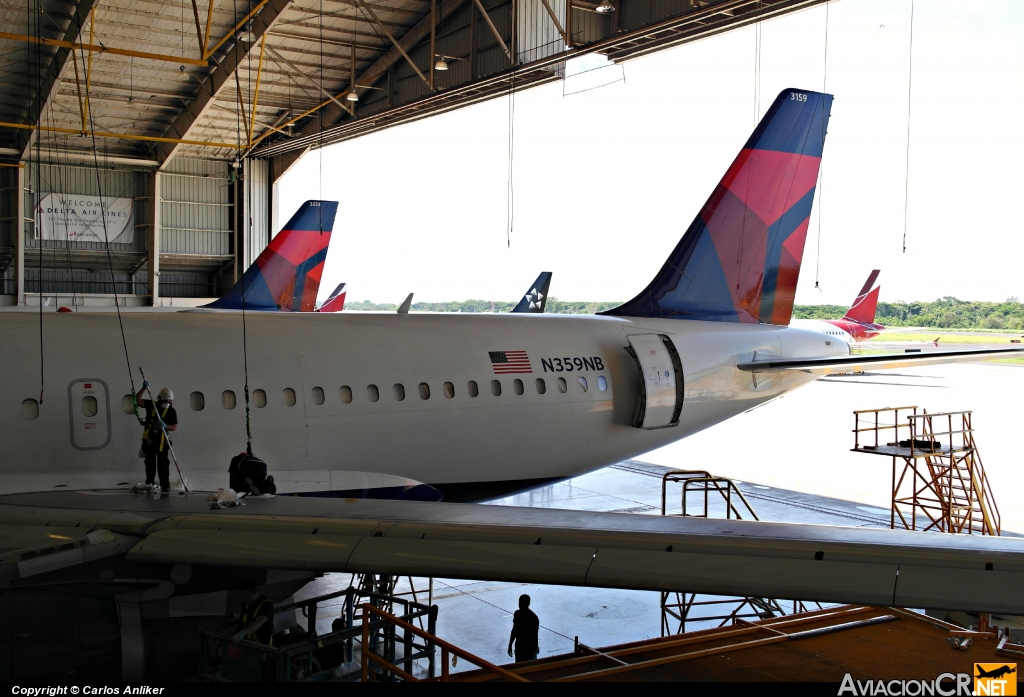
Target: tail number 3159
<point>797,97</point>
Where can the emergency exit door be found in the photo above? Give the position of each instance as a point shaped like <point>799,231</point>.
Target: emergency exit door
<point>661,381</point>
<point>89,403</point>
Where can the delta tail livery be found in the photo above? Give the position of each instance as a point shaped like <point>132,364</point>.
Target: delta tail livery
<point>475,405</point>
<point>858,324</point>
<point>286,276</point>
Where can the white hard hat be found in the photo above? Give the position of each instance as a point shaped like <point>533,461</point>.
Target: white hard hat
<point>165,394</point>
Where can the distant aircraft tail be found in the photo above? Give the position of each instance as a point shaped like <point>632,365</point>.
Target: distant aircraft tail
<point>740,258</point>
<point>286,276</point>
<point>536,299</point>
<point>866,304</point>
<point>335,303</point>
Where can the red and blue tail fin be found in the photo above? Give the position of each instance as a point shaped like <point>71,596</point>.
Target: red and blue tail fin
<point>537,297</point>
<point>336,302</point>
<point>286,276</point>
<point>866,303</point>
<point>740,258</point>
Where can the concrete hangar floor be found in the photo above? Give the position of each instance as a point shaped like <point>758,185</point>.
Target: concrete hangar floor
<point>791,459</point>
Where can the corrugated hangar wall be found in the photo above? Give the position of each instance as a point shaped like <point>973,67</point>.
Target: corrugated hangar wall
<point>196,231</point>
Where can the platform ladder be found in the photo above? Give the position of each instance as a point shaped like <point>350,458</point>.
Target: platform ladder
<point>938,480</point>
<point>716,497</point>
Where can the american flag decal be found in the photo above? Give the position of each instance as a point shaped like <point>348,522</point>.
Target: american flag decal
<point>505,362</point>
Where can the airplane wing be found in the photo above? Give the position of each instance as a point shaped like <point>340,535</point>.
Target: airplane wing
<point>845,364</point>
<point>539,545</point>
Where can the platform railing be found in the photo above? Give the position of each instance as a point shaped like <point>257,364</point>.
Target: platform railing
<point>223,660</point>
<point>703,483</point>
<point>376,666</point>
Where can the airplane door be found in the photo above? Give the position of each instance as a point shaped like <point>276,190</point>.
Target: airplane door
<point>661,381</point>
<point>89,402</point>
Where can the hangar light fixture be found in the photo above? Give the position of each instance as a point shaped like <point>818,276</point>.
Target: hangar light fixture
<point>605,7</point>
<point>441,64</point>
<point>352,96</point>
<point>247,36</point>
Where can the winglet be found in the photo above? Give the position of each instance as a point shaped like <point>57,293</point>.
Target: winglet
<point>536,299</point>
<point>403,309</point>
<point>286,276</point>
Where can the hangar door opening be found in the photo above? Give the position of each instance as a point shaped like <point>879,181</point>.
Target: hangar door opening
<point>89,403</point>
<point>661,381</point>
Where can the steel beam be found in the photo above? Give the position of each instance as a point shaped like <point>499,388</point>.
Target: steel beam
<point>50,82</point>
<point>218,79</point>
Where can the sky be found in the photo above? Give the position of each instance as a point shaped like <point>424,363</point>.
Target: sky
<point>605,181</point>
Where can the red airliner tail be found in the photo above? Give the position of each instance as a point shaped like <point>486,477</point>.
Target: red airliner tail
<point>866,304</point>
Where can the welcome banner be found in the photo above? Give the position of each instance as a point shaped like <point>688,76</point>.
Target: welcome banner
<point>80,218</point>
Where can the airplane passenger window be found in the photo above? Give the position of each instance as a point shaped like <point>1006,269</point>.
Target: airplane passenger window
<point>259,398</point>
<point>449,390</point>
<point>346,394</point>
<point>561,385</point>
<point>495,388</point>
<point>289,397</point>
<point>227,398</point>
<point>30,409</point>
<point>471,386</point>
<point>127,404</point>
<point>583,383</point>
<point>541,386</point>
<point>372,393</point>
<point>399,392</point>
<point>602,383</point>
<point>424,391</point>
<point>90,406</point>
<point>517,385</point>
<point>197,401</point>
<point>318,395</point>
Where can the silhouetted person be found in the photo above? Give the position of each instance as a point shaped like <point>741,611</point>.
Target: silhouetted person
<point>256,622</point>
<point>155,446</point>
<point>525,627</point>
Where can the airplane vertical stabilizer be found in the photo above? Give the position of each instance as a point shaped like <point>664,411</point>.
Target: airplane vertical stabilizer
<point>865,305</point>
<point>336,302</point>
<point>739,260</point>
<point>535,299</point>
<point>286,276</point>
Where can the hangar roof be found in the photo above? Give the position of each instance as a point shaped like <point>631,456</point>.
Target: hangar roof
<point>149,79</point>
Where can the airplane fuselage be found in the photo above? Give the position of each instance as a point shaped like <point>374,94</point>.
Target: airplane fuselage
<point>313,378</point>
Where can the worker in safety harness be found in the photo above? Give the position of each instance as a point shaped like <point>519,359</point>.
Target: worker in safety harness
<point>255,621</point>
<point>155,448</point>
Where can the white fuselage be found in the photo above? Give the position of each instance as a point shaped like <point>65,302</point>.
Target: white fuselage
<point>314,447</point>
<point>823,327</point>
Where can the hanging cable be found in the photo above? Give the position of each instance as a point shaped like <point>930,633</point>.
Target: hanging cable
<point>910,83</point>
<point>757,65</point>
<point>509,186</point>
<point>106,244</point>
<point>35,54</point>
<point>821,166</point>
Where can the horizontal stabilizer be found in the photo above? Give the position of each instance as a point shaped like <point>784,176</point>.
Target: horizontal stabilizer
<point>846,364</point>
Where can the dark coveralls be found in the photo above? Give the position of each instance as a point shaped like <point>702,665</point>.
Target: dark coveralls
<point>154,443</point>
<point>525,627</point>
<point>261,607</point>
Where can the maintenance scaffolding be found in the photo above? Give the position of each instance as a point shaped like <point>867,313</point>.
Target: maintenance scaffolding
<point>938,480</point>
<point>705,495</point>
